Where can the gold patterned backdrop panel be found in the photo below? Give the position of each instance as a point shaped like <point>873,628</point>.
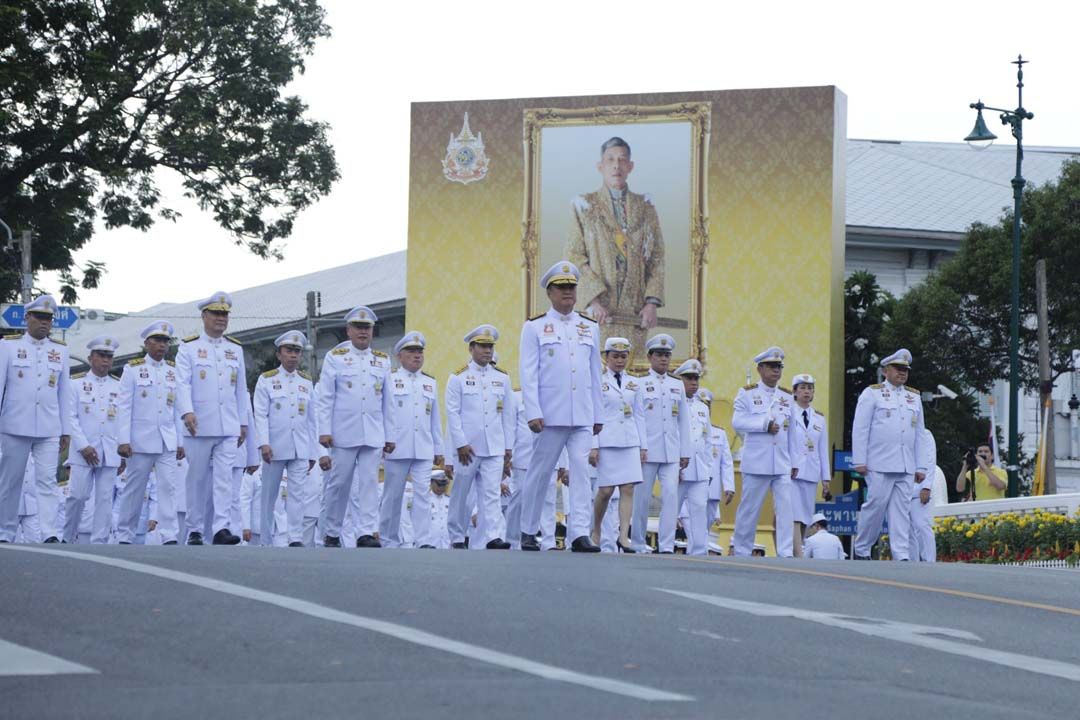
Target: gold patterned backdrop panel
<point>776,234</point>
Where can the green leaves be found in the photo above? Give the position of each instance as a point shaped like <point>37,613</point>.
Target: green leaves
<point>96,97</point>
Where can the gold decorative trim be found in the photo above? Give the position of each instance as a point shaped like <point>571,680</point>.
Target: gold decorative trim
<point>699,115</point>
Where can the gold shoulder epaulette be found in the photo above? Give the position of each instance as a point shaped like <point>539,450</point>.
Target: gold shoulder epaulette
<point>501,370</point>
<point>170,363</point>
<point>340,351</point>
<point>586,316</point>
<point>427,374</point>
<point>270,373</point>
<point>379,353</point>
<point>914,390</point>
<point>673,375</point>
<point>637,373</point>
<point>787,390</point>
<point>231,339</point>
<point>462,369</point>
<point>751,386</point>
<point>58,342</point>
<point>189,338</point>
<point>114,377</point>
<point>304,375</point>
<point>878,386</point>
<point>538,316</point>
<point>14,336</point>
<point>818,412</point>
<point>136,361</point>
<point>78,376</point>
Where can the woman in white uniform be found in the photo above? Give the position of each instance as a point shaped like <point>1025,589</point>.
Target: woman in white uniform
<point>619,449</point>
<point>809,458</point>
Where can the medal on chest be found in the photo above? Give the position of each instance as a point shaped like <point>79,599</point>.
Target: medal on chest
<point>202,374</point>
<point>202,353</point>
<point>52,379</point>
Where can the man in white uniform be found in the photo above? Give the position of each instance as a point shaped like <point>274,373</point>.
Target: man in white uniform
<point>414,427</point>
<point>147,432</point>
<point>923,543</point>
<point>285,432</point>
<point>351,403</point>
<point>213,403</point>
<point>480,417</point>
<point>822,544</point>
<point>560,385</point>
<point>667,437</point>
<point>694,479</point>
<point>886,449</point>
<point>722,478</point>
<point>94,460</point>
<point>763,416</point>
<point>35,417</point>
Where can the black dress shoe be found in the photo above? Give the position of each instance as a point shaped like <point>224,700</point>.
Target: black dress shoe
<point>459,546</point>
<point>584,544</point>
<point>666,552</point>
<point>296,543</point>
<point>368,541</point>
<point>624,548</point>
<point>51,539</point>
<point>498,544</point>
<point>169,542</point>
<point>195,538</point>
<point>123,542</point>
<point>862,557</point>
<point>528,543</point>
<point>427,547</point>
<point>331,541</point>
<point>224,537</point>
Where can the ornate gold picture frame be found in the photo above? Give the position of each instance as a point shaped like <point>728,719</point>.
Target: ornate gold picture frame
<point>697,115</point>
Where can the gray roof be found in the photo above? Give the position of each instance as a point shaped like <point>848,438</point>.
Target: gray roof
<point>368,282</point>
<point>939,187</point>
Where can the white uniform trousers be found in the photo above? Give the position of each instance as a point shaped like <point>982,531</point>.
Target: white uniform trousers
<point>353,480</point>
<point>209,483</point>
<point>390,509</point>
<point>748,513</point>
<point>516,481</point>
<point>486,473</point>
<point>15,450</point>
<point>668,474</point>
<point>887,494</point>
<point>696,496</point>
<point>294,503</point>
<point>99,480</point>
<point>923,545</point>
<point>609,526</point>
<point>549,445</point>
<point>130,501</point>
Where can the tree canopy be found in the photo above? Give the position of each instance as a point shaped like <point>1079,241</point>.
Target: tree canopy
<point>97,96</point>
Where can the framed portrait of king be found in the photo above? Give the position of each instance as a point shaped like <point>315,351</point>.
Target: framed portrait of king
<point>621,192</point>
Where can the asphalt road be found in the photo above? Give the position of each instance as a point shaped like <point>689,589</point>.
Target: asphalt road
<point>164,632</point>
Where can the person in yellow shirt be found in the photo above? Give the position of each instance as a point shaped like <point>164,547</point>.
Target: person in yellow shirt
<point>990,480</point>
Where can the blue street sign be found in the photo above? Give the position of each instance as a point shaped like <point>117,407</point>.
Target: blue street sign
<point>842,512</point>
<point>14,316</point>
<point>842,461</point>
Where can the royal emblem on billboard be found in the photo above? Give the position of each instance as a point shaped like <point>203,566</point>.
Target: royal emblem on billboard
<point>465,161</point>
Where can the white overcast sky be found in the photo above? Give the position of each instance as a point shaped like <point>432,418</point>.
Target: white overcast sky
<point>909,71</point>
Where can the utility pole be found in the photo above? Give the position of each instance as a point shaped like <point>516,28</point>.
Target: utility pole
<point>27,271</point>
<point>1046,384</point>
<point>311,330</point>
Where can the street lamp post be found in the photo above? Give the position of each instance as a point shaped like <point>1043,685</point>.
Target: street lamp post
<point>980,133</point>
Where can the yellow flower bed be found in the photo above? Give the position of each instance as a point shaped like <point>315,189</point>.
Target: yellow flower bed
<point>1009,537</point>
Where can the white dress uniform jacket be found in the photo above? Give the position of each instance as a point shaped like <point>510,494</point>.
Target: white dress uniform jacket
<point>885,435</point>
<point>701,459</point>
<point>34,386</point>
<point>723,470</point>
<point>810,445</point>
<point>755,407</point>
<point>560,369</point>
<point>667,417</point>
<point>623,415</point>
<point>146,411</point>
<point>212,383</point>
<point>413,420</point>
<point>350,396</point>
<point>284,414</point>
<point>823,545</point>
<point>480,409</point>
<point>94,403</point>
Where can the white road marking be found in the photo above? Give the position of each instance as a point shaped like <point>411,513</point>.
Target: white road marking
<point>19,660</point>
<point>926,636</point>
<point>401,632</point>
